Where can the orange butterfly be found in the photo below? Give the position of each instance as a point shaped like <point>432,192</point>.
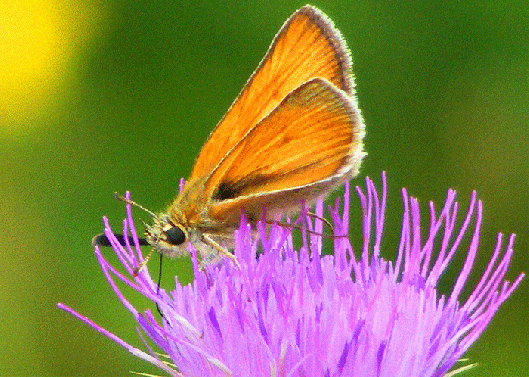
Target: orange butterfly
<point>293,133</point>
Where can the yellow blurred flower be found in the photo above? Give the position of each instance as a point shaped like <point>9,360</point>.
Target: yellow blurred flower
<point>38,41</point>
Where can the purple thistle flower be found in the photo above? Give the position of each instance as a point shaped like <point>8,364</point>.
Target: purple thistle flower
<point>289,312</point>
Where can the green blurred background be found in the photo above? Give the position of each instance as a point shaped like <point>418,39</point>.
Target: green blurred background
<point>104,96</point>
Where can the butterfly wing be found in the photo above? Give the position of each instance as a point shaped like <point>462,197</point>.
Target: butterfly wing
<point>307,46</point>
<point>308,144</point>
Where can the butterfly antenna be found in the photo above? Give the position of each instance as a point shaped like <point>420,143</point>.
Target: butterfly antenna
<point>134,204</point>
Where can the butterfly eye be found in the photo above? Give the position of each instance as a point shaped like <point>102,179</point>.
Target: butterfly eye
<point>175,236</point>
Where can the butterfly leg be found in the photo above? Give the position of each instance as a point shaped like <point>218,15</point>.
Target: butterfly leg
<point>221,250</point>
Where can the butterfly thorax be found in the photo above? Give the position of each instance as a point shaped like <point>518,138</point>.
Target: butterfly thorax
<point>186,220</point>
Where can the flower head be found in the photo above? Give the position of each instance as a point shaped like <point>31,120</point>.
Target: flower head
<point>289,312</point>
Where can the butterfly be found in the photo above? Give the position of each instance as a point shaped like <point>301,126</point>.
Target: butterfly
<point>293,134</point>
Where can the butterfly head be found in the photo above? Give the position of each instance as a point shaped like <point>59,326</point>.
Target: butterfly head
<point>167,237</point>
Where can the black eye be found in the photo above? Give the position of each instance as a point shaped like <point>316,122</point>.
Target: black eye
<point>175,236</point>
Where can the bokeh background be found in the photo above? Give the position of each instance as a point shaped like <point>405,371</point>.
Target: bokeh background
<point>104,96</point>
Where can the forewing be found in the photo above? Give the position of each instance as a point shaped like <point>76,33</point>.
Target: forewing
<point>307,46</point>
<point>309,143</point>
